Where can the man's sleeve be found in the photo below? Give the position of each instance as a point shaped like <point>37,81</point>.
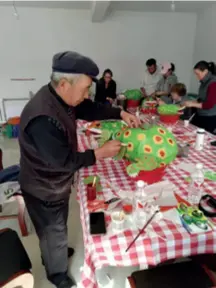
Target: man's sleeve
<point>91,111</point>
<point>50,141</point>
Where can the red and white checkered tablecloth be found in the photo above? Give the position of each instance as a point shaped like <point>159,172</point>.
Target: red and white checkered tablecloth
<point>110,250</point>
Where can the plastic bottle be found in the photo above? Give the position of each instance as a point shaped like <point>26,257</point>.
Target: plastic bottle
<point>197,179</point>
<point>200,139</point>
<point>140,215</point>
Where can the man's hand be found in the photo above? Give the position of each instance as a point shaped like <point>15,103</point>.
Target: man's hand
<point>131,120</point>
<point>109,149</point>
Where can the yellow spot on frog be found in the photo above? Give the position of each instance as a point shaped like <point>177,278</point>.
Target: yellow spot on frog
<point>147,149</point>
<point>141,137</point>
<point>170,141</point>
<point>127,133</point>
<point>161,153</point>
<point>158,139</point>
<point>130,146</point>
<point>161,131</point>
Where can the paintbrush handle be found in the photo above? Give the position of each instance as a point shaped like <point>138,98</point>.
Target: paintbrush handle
<point>142,230</point>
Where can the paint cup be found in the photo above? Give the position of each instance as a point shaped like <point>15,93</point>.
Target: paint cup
<point>127,206</point>
<point>186,123</point>
<point>118,220</point>
<point>91,192</point>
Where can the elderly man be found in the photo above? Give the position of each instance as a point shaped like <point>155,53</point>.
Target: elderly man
<point>49,156</point>
<point>151,78</point>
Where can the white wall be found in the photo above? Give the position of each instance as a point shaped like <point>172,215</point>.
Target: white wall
<point>123,43</point>
<point>205,40</point>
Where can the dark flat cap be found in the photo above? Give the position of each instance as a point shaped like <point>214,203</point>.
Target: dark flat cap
<point>74,63</point>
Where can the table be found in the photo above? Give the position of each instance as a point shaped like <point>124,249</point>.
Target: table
<point>102,250</point>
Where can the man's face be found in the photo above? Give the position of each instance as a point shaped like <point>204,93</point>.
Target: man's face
<point>151,69</point>
<point>74,94</point>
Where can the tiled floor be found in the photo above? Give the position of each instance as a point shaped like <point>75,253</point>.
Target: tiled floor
<point>10,157</point>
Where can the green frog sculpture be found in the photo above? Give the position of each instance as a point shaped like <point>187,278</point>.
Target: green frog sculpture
<point>145,149</point>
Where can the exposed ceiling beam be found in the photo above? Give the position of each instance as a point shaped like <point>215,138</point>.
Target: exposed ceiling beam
<point>99,10</point>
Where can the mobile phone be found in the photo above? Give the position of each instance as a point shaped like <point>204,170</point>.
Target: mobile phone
<point>213,143</point>
<point>97,223</point>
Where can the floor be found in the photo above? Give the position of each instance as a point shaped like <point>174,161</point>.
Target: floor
<point>75,240</point>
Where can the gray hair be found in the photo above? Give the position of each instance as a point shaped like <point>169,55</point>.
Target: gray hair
<point>57,76</point>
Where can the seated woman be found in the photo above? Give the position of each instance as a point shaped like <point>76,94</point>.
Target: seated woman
<point>106,88</point>
<point>206,104</point>
<point>167,81</point>
<point>178,96</point>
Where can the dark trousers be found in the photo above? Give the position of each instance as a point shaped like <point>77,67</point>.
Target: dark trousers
<point>50,222</point>
<point>206,122</point>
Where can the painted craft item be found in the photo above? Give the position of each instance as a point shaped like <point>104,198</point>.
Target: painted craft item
<point>145,149</point>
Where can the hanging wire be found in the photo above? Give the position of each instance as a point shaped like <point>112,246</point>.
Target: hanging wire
<point>173,6</point>
<point>15,12</point>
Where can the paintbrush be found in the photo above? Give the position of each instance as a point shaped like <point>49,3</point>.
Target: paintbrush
<point>94,181</point>
<point>142,230</point>
<point>124,144</point>
<point>191,117</point>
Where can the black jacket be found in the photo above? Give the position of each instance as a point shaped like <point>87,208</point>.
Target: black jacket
<point>102,92</point>
<point>48,143</point>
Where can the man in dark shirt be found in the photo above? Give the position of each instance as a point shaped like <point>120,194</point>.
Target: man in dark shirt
<point>49,156</point>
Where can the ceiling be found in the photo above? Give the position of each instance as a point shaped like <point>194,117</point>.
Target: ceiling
<point>144,6</point>
<point>160,6</point>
